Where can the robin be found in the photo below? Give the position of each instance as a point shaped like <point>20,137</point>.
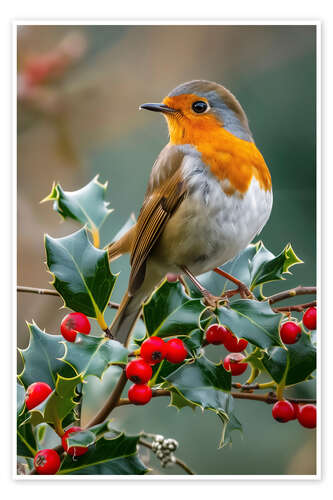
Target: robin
<point>209,194</point>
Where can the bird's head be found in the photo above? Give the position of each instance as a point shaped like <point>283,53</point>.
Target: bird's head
<point>196,110</point>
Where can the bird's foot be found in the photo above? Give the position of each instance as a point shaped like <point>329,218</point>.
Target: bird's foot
<point>244,292</point>
<point>211,300</point>
<point>242,289</point>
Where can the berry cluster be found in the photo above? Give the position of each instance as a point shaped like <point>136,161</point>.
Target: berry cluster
<point>217,335</point>
<point>48,461</point>
<point>163,448</point>
<point>290,331</point>
<point>152,351</point>
<point>284,411</point>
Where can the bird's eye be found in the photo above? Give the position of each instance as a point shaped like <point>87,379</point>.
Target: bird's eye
<point>199,106</point>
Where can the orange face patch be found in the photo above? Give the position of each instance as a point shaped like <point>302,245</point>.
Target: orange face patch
<point>228,157</point>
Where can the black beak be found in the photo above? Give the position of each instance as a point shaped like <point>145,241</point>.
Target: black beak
<point>161,108</point>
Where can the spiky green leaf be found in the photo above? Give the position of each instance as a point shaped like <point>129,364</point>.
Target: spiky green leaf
<point>252,320</point>
<point>206,385</point>
<point>294,364</point>
<point>107,457</point>
<point>92,355</point>
<point>59,403</point>
<point>86,205</point>
<point>81,273</point>
<point>42,358</point>
<point>171,312</point>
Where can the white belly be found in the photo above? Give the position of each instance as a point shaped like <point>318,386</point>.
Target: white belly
<point>210,228</point>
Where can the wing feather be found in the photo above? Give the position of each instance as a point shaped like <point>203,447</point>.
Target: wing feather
<point>155,213</point>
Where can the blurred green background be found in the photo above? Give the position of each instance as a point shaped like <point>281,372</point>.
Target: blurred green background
<point>81,117</point>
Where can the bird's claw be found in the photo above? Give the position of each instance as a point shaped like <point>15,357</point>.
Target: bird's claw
<point>211,300</point>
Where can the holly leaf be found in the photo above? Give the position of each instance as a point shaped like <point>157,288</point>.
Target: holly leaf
<point>46,437</point>
<point>59,403</point>
<point>92,355</point>
<point>107,457</point>
<point>25,439</point>
<point>206,385</point>
<point>293,364</point>
<point>81,273</point>
<point>20,399</point>
<point>26,443</point>
<point>86,205</point>
<point>266,267</point>
<point>193,342</point>
<point>42,358</point>
<point>252,320</point>
<point>179,402</point>
<point>171,312</point>
<point>82,438</point>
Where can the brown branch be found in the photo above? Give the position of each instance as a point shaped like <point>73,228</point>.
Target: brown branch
<point>115,401</point>
<point>46,291</point>
<point>178,461</point>
<point>298,307</point>
<point>287,294</point>
<point>40,291</point>
<point>110,403</point>
<point>269,398</point>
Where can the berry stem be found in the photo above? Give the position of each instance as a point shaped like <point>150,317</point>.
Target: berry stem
<point>253,375</point>
<point>58,427</point>
<point>267,385</point>
<point>152,381</point>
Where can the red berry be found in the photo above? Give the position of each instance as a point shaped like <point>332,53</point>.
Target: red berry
<point>36,393</point>
<point>310,318</point>
<point>73,450</point>
<point>153,350</point>
<point>139,394</point>
<point>290,332</point>
<point>175,351</point>
<point>233,363</point>
<point>283,411</point>
<point>72,324</point>
<point>215,334</point>
<point>139,371</point>
<point>233,344</point>
<point>47,462</point>
<point>296,410</point>
<point>308,416</point>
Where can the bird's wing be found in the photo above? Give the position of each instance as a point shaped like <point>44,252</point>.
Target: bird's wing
<point>157,209</point>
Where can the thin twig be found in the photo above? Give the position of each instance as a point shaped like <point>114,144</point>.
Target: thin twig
<point>287,294</point>
<point>110,403</point>
<point>40,291</point>
<point>298,307</point>
<point>269,398</point>
<point>47,291</point>
<point>178,461</point>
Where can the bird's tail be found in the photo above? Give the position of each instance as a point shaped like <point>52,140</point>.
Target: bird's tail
<point>126,317</point>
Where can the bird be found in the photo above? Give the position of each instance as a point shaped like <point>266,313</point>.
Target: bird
<point>209,194</point>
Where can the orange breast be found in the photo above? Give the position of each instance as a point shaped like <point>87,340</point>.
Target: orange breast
<point>228,157</point>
